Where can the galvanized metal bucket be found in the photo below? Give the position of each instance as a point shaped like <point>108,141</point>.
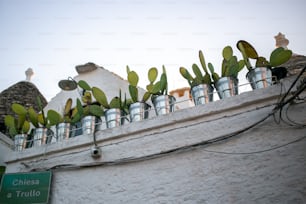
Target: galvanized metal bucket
<point>163,104</point>
<point>20,142</point>
<point>260,77</point>
<point>42,136</point>
<point>139,111</point>
<point>114,117</point>
<point>227,87</point>
<point>63,131</point>
<point>202,94</point>
<point>90,124</point>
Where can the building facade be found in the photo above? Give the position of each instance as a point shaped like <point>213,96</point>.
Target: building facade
<point>235,150</point>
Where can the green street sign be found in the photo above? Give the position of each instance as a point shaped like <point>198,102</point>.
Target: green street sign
<point>25,188</point>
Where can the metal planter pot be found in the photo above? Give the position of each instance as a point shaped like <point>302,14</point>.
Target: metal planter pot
<point>260,77</point>
<point>114,117</point>
<point>163,104</point>
<point>20,142</point>
<point>202,94</point>
<point>63,131</point>
<point>90,124</point>
<point>139,111</point>
<point>42,136</point>
<point>227,87</point>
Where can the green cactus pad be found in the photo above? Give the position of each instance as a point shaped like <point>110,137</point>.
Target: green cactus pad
<point>156,88</point>
<point>33,117</point>
<point>152,74</point>
<point>9,121</point>
<point>279,56</point>
<point>227,52</point>
<point>262,62</point>
<point>247,49</point>
<point>133,78</point>
<point>54,117</point>
<point>146,96</point>
<point>202,60</point>
<point>115,102</point>
<point>163,83</point>
<point>26,127</point>
<point>19,109</point>
<point>133,93</point>
<point>100,96</point>
<point>197,72</point>
<point>68,106</point>
<point>96,110</point>
<point>84,85</point>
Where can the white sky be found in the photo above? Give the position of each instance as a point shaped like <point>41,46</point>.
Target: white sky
<point>52,37</point>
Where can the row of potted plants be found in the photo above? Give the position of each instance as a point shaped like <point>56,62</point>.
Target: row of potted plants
<point>260,76</point>
<point>94,104</point>
<point>89,109</point>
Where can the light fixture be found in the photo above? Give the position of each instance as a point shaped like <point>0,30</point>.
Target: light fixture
<point>68,84</point>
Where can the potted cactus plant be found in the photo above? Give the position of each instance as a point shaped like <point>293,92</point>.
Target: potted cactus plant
<point>138,108</point>
<point>162,102</point>
<point>89,112</point>
<point>227,83</point>
<point>201,88</point>
<point>64,122</point>
<point>114,111</point>
<point>260,76</point>
<point>18,127</point>
<point>42,124</point>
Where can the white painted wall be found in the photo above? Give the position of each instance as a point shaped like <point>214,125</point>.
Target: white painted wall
<point>174,159</point>
<point>6,145</point>
<point>109,82</point>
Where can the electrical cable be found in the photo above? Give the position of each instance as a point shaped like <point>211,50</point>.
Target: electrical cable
<point>175,150</point>
<point>289,101</point>
<point>171,151</point>
<point>257,152</point>
<point>152,134</point>
<point>292,85</point>
<point>161,154</point>
<point>290,120</point>
<point>281,103</point>
<point>278,101</point>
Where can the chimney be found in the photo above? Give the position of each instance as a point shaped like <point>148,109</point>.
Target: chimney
<point>29,73</point>
<point>281,41</point>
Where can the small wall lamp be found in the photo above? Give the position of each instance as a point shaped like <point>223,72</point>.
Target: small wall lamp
<point>68,84</point>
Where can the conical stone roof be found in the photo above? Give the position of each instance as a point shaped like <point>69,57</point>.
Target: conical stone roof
<point>24,93</point>
<point>295,64</point>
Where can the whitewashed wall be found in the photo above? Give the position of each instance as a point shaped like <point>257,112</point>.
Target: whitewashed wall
<point>6,145</point>
<point>174,159</point>
<point>109,82</point>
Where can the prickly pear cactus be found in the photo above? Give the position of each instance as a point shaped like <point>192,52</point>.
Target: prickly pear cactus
<point>230,64</point>
<point>20,124</point>
<point>199,77</point>
<point>279,56</point>
<point>100,97</point>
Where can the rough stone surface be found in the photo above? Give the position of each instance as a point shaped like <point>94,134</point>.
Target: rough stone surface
<point>88,67</point>
<point>24,93</point>
<point>295,64</point>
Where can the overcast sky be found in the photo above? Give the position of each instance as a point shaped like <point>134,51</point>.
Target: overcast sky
<point>52,37</point>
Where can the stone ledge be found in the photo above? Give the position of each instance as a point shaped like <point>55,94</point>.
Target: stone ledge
<point>123,141</point>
